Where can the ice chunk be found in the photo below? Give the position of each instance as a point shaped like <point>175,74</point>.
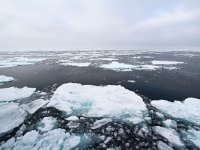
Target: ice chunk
<point>47,124</point>
<point>170,134</point>
<point>11,116</point>
<point>117,66</point>
<point>72,118</point>
<point>131,81</point>
<point>98,101</point>
<point>101,122</point>
<point>186,110</point>
<point>76,64</point>
<point>170,123</point>
<point>146,67</point>
<point>34,105</point>
<point>13,93</point>
<point>162,146</point>
<point>5,79</point>
<point>161,62</point>
<point>55,139</point>
<point>193,136</point>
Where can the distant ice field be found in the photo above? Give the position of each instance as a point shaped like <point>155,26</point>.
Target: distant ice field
<point>100,100</point>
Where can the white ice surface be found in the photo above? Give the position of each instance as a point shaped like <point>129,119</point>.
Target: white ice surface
<point>162,146</point>
<point>98,101</point>
<point>11,116</point>
<point>5,79</point>
<point>13,93</point>
<point>34,105</point>
<point>117,66</point>
<point>47,124</point>
<point>186,110</point>
<point>170,134</point>
<point>193,136</point>
<point>72,118</point>
<point>55,139</point>
<point>162,62</point>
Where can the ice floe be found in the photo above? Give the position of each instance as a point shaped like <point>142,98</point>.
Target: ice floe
<point>162,62</point>
<point>117,66</point>
<point>6,79</point>
<point>170,134</point>
<point>76,64</point>
<point>72,118</point>
<point>193,136</point>
<point>186,110</point>
<point>55,139</point>
<point>101,122</point>
<point>11,116</point>
<point>19,61</point>
<point>98,101</point>
<point>13,93</point>
<point>34,105</point>
<point>163,146</point>
<point>47,124</point>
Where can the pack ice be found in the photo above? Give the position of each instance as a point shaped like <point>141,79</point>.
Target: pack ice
<point>98,101</point>
<point>186,110</point>
<point>13,93</point>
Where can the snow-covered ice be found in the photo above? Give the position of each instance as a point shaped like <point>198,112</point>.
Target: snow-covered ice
<point>34,105</point>
<point>193,136</point>
<point>76,64</point>
<point>98,101</point>
<point>55,139</point>
<point>101,122</point>
<point>117,66</point>
<point>186,110</point>
<point>163,62</point>
<point>11,116</point>
<point>72,118</point>
<point>163,146</point>
<point>145,67</point>
<point>47,124</point>
<point>131,81</point>
<point>170,134</point>
<point>6,79</point>
<point>14,93</point>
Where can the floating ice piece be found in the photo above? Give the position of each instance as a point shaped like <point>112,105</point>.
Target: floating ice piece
<point>55,139</point>
<point>5,79</point>
<point>109,59</point>
<point>47,124</point>
<point>170,134</point>
<point>98,101</point>
<point>13,93</point>
<point>19,61</point>
<point>76,64</point>
<point>145,67</point>
<point>162,146</point>
<point>72,118</point>
<point>34,105</point>
<point>11,116</point>
<point>161,62</point>
<point>101,122</point>
<point>193,136</point>
<point>117,66</point>
<point>170,123</point>
<point>131,81</point>
<point>186,110</point>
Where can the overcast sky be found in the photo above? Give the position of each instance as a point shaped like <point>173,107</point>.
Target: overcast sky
<point>99,24</point>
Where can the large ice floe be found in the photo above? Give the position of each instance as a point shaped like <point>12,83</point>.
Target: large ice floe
<point>76,64</point>
<point>98,101</point>
<point>13,93</point>
<point>5,79</point>
<point>188,110</point>
<point>193,136</point>
<point>117,66</point>
<point>11,116</point>
<point>19,61</point>
<point>165,62</point>
<point>54,139</point>
<point>170,134</point>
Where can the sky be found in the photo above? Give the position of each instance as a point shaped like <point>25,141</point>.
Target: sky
<point>99,24</point>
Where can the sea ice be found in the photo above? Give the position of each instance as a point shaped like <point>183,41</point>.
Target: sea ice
<point>72,118</point>
<point>98,101</point>
<point>13,93</point>
<point>34,105</point>
<point>186,110</point>
<point>161,62</point>
<point>11,116</point>
<point>101,122</point>
<point>117,66</point>
<point>55,139</point>
<point>47,124</point>
<point>170,134</point>
<point>76,64</point>
<point>5,79</point>
<point>162,146</point>
<point>193,136</point>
